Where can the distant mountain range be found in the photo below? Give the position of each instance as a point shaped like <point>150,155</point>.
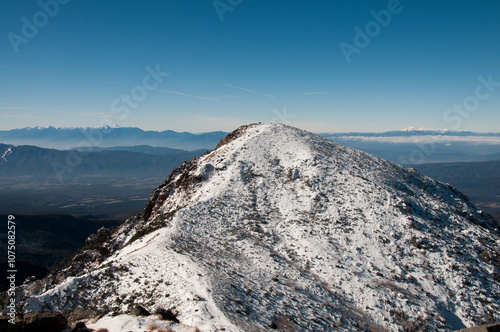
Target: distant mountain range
<point>26,160</point>
<point>415,146</point>
<point>67,138</point>
<point>413,131</point>
<point>409,146</point>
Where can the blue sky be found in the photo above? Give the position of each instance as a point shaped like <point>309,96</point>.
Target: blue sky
<point>91,62</point>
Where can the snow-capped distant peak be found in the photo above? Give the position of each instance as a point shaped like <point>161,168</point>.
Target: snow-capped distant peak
<point>72,128</point>
<point>106,127</point>
<point>38,128</point>
<point>438,130</point>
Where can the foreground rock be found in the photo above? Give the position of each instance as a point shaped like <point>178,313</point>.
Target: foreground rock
<point>36,322</point>
<point>483,328</point>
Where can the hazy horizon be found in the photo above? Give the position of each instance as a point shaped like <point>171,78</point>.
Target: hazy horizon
<point>408,129</point>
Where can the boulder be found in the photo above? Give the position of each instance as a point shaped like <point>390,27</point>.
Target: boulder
<point>139,311</point>
<point>6,326</point>
<point>167,315</point>
<point>483,328</point>
<point>44,321</point>
<point>80,327</point>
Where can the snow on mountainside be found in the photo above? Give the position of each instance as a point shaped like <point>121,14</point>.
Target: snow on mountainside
<point>281,228</point>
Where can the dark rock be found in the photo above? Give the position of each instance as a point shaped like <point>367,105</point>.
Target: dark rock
<point>80,327</point>
<point>6,326</point>
<point>493,328</point>
<point>167,315</point>
<point>483,328</point>
<point>235,134</point>
<point>45,321</point>
<point>139,311</point>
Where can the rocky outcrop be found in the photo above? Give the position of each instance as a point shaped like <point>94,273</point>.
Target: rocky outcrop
<point>483,328</point>
<point>234,135</point>
<point>36,322</point>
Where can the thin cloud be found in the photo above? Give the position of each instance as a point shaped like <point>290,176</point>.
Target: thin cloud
<point>90,113</point>
<point>22,108</point>
<point>474,140</point>
<point>185,94</point>
<point>314,93</point>
<point>307,93</point>
<point>21,116</point>
<point>49,111</point>
<point>221,123</point>
<point>251,91</point>
<point>315,127</point>
<point>76,113</point>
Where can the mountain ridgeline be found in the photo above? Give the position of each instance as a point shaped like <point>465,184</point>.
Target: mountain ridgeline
<point>280,228</point>
<point>34,162</point>
<point>407,146</point>
<point>107,136</point>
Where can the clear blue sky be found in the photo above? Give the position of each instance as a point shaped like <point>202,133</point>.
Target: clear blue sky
<point>265,61</point>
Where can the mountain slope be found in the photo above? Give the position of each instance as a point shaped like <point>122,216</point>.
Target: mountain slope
<point>279,227</point>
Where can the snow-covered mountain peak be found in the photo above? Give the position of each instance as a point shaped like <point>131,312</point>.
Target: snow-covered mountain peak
<point>273,152</point>
<point>413,128</point>
<point>281,228</point>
